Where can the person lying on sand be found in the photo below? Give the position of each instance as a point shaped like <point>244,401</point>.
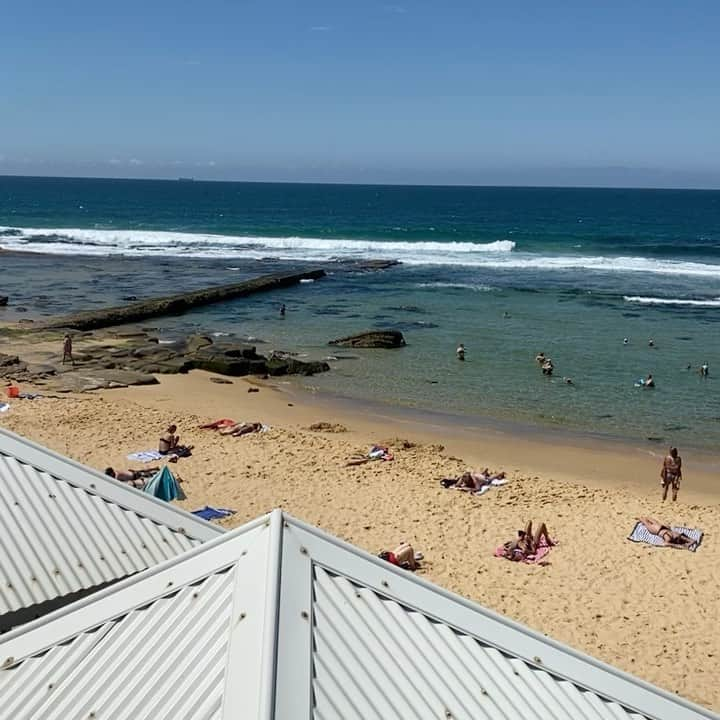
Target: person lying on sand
<point>473,481</point>
<point>223,423</point>
<point>136,478</point>
<point>169,444</point>
<point>242,429</point>
<point>526,543</point>
<point>669,537</point>
<point>403,556</point>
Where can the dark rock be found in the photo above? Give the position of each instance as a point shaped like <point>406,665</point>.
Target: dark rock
<point>291,366</point>
<point>7,360</point>
<point>372,339</point>
<point>219,363</point>
<point>3,300</point>
<point>195,342</point>
<point>221,381</point>
<point>178,304</point>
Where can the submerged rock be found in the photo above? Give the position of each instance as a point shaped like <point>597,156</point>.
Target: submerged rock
<point>372,339</point>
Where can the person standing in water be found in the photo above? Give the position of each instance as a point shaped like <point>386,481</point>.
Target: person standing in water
<point>649,381</point>
<point>460,352</point>
<point>282,310</point>
<point>704,370</point>
<point>671,473</point>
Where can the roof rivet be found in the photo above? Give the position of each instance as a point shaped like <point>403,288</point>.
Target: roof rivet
<point>304,615</point>
<point>448,714</point>
<point>303,550</point>
<point>102,557</point>
<point>181,530</point>
<point>537,659</point>
<point>10,585</point>
<point>33,579</point>
<point>244,552</point>
<point>92,485</point>
<point>56,571</point>
<point>50,686</point>
<point>9,661</point>
<point>170,582</point>
<point>243,616</point>
<point>196,594</point>
<point>358,595</point>
<point>483,691</point>
<point>385,583</point>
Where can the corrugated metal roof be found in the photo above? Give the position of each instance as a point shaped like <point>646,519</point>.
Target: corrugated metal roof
<point>375,658</point>
<point>278,620</point>
<point>67,528</point>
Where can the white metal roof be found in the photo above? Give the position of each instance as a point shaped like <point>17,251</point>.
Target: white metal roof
<point>278,620</point>
<point>67,528</point>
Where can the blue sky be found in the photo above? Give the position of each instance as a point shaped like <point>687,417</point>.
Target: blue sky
<point>521,92</point>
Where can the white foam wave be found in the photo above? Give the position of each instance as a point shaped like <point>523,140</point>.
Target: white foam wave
<point>455,286</point>
<point>139,242</point>
<point>715,302</point>
<point>500,254</point>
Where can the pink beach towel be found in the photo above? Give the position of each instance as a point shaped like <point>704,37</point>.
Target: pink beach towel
<point>535,559</point>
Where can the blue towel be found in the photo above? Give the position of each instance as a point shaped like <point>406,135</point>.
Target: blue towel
<point>163,485</point>
<point>641,534</point>
<point>211,513</point>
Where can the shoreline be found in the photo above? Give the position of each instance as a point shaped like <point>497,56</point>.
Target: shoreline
<point>567,458</point>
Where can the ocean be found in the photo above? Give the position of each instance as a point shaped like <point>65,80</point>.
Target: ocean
<point>509,272</point>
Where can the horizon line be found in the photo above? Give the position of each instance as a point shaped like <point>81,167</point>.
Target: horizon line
<point>185,180</point>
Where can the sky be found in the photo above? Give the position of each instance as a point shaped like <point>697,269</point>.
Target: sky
<point>558,92</point>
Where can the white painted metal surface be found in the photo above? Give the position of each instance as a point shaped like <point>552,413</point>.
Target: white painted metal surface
<point>279,621</point>
<point>66,528</point>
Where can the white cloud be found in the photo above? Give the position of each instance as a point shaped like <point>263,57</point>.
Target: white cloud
<point>135,161</point>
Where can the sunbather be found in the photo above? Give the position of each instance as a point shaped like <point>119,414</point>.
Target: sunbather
<point>223,423</point>
<point>169,444</point>
<point>136,478</point>
<point>473,481</point>
<point>669,537</point>
<point>526,543</point>
<point>403,556</point>
<point>242,429</point>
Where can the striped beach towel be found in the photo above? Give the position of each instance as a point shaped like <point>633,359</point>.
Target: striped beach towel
<point>641,534</point>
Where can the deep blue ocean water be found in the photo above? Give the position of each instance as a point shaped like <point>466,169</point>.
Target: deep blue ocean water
<point>507,271</point>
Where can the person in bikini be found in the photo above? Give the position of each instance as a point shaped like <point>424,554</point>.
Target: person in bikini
<point>671,473</point>
<point>669,537</point>
<point>136,478</point>
<point>526,544</point>
<point>403,556</point>
<point>242,429</point>
<point>169,444</point>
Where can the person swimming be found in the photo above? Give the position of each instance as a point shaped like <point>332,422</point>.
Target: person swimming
<point>704,370</point>
<point>460,352</point>
<point>625,341</point>
<point>649,381</point>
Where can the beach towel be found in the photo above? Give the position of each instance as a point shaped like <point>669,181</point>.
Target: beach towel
<point>4,407</point>
<point>145,455</point>
<point>641,534</point>
<point>536,559</point>
<point>212,513</point>
<point>163,485</point>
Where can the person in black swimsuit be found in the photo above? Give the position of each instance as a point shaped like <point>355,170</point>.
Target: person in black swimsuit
<point>669,537</point>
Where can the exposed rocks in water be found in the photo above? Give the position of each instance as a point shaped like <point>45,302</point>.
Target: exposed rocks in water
<point>4,300</point>
<point>178,304</point>
<point>370,264</point>
<point>372,339</point>
<point>134,359</point>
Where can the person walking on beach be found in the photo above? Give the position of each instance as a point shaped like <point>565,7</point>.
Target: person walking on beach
<point>460,352</point>
<point>67,350</point>
<point>671,473</point>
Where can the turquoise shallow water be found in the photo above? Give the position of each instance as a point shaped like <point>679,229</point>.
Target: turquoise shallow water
<point>507,271</point>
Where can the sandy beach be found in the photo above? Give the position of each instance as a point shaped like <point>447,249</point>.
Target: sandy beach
<point>650,611</point>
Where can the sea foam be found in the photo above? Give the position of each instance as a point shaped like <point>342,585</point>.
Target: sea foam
<point>639,299</point>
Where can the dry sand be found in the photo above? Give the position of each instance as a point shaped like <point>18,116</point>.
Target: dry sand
<point>650,611</point>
